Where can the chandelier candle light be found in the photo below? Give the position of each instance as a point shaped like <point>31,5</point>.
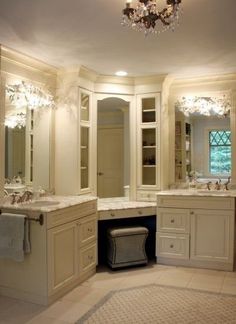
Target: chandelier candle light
<point>144,16</point>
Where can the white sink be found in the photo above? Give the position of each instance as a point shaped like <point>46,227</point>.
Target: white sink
<point>43,203</point>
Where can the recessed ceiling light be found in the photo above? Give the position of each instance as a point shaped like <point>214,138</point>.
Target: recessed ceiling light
<point>121,73</point>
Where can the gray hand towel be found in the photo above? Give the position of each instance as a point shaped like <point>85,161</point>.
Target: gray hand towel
<point>14,236</point>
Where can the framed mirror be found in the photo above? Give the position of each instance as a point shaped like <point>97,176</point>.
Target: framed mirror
<point>202,143</point>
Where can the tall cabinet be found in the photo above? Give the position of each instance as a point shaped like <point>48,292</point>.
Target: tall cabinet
<point>148,145</point>
<point>85,99</point>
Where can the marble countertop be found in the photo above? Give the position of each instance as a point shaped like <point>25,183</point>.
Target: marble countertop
<point>197,192</point>
<point>118,203</point>
<point>46,204</point>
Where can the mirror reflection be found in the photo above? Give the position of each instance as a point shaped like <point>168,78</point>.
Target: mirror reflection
<point>113,143</point>
<point>27,147</point>
<point>202,147</point>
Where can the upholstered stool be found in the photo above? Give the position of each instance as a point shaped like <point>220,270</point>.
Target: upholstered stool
<point>126,246</point>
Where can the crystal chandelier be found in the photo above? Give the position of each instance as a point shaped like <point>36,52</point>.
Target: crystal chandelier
<point>144,16</point>
<point>27,95</point>
<point>16,120</point>
<point>207,106</point>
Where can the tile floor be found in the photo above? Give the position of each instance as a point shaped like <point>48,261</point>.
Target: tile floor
<point>73,305</point>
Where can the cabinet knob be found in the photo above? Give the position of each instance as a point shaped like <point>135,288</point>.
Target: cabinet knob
<point>171,246</point>
<point>140,212</point>
<point>112,215</point>
<point>192,213</point>
<point>172,220</point>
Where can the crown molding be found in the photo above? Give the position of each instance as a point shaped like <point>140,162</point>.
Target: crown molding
<point>179,82</point>
<point>11,56</point>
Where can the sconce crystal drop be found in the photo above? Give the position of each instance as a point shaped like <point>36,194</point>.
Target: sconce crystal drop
<point>207,105</point>
<point>16,120</point>
<point>27,95</point>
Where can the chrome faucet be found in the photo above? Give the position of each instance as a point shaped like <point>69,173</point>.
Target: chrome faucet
<point>227,183</point>
<point>27,195</point>
<point>208,185</point>
<point>14,198</point>
<point>218,183</point>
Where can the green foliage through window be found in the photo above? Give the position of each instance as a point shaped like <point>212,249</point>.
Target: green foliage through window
<point>220,152</point>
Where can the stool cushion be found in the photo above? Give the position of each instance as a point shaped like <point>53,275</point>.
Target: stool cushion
<point>122,231</point>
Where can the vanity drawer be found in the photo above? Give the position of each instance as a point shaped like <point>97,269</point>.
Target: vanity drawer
<point>87,258</point>
<point>173,220</point>
<point>172,245</point>
<point>87,230</point>
<point>126,213</point>
<point>71,213</point>
<point>203,202</point>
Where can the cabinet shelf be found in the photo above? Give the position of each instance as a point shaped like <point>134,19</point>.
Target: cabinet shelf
<point>83,168</point>
<point>149,165</point>
<point>149,146</point>
<point>83,147</point>
<point>148,110</point>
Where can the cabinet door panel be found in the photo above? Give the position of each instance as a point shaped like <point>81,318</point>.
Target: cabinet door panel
<point>173,220</point>
<point>212,235</point>
<point>62,256</point>
<point>172,245</point>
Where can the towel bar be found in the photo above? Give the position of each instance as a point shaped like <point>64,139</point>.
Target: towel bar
<point>40,219</point>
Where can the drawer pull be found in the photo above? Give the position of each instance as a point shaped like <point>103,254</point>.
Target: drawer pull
<point>140,212</point>
<point>112,215</point>
<point>172,220</point>
<point>171,246</point>
<point>192,213</point>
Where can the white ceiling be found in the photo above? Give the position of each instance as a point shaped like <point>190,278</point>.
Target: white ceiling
<point>88,32</point>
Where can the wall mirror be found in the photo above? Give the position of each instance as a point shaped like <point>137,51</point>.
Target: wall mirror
<point>27,147</point>
<point>202,143</point>
<point>113,147</point>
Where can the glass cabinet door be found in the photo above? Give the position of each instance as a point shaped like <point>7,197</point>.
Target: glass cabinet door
<point>149,156</point>
<point>84,115</point>
<point>148,110</point>
<point>84,167</point>
<point>85,131</point>
<point>149,128</point>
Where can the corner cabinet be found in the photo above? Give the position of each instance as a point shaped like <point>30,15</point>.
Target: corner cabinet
<point>85,130</point>
<point>148,145</point>
<point>201,234</point>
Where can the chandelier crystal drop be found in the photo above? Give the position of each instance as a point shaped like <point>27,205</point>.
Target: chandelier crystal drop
<point>145,15</point>
<point>207,106</point>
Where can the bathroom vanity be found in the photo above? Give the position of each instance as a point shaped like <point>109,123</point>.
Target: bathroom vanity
<point>63,249</point>
<point>196,228</point>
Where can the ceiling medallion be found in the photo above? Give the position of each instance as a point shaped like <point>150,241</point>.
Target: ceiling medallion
<point>145,15</point>
<point>207,106</point>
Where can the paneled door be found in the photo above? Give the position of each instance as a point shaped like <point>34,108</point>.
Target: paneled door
<point>110,162</point>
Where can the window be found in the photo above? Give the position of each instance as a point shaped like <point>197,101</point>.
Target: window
<point>219,151</point>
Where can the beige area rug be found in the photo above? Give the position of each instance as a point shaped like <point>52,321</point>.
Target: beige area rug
<point>162,304</point>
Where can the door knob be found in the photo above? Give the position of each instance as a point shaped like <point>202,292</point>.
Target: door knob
<point>100,173</point>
